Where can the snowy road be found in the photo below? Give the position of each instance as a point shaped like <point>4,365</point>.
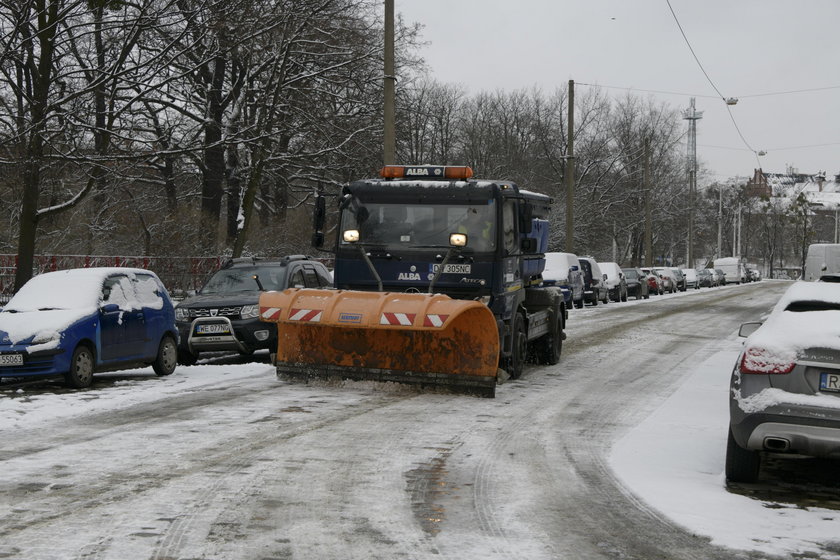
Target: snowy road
<point>226,462</point>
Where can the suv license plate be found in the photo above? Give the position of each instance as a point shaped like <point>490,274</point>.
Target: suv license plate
<point>830,382</point>
<point>218,328</point>
<point>11,359</point>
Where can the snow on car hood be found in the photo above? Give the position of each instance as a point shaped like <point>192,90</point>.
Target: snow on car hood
<point>43,328</point>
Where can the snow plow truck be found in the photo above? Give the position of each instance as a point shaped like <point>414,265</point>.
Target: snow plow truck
<point>438,283</point>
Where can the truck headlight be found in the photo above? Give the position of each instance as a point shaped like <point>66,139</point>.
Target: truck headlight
<point>250,311</point>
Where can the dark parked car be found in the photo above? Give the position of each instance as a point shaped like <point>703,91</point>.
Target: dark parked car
<point>594,281</point>
<point>705,278</point>
<point>784,395</point>
<point>78,322</point>
<point>637,284</point>
<point>225,313</point>
<point>681,283</point>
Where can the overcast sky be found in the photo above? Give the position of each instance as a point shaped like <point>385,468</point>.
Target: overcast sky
<point>749,48</point>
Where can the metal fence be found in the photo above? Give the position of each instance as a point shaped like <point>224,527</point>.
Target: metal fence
<point>178,274</point>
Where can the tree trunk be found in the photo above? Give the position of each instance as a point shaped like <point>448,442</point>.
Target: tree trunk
<point>214,159</point>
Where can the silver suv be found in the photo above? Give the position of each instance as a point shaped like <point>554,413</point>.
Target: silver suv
<point>785,390</point>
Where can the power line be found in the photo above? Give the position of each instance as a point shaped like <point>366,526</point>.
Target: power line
<point>728,110</point>
<point>692,50</point>
<point>683,94</point>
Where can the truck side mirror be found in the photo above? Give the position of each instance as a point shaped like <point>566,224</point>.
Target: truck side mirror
<point>319,217</point>
<point>529,245</point>
<point>525,217</point>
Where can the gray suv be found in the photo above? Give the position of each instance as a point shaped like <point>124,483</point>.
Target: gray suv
<point>784,396</point>
<point>225,314</point>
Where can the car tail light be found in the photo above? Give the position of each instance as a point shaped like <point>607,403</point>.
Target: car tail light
<point>762,361</point>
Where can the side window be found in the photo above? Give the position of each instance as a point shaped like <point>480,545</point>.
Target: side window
<point>509,225</point>
<point>309,277</point>
<point>296,280</point>
<point>118,290</point>
<point>149,291</point>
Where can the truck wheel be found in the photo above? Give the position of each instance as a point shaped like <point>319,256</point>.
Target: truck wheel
<point>742,465</point>
<point>516,361</point>
<point>81,368</point>
<point>548,348</point>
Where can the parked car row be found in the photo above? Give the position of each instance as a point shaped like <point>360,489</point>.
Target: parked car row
<point>75,323</point>
<point>585,280</point>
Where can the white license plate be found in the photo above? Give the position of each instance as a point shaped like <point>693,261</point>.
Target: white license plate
<point>219,328</point>
<point>453,268</point>
<point>11,359</point>
<point>830,382</point>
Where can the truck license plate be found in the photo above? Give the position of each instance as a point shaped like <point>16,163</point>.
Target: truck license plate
<point>830,382</point>
<point>453,268</point>
<point>11,359</point>
<point>213,328</point>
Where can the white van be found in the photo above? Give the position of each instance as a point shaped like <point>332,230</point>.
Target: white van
<point>823,258</point>
<point>731,267</point>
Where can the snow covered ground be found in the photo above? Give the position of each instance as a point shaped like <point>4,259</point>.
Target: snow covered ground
<point>673,460</point>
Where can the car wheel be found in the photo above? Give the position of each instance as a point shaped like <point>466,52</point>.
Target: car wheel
<point>742,465</point>
<point>186,358</point>
<point>516,361</point>
<point>167,357</point>
<point>81,368</point>
<point>579,303</point>
<point>625,296</point>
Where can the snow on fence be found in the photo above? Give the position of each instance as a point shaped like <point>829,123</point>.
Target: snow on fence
<point>179,274</point>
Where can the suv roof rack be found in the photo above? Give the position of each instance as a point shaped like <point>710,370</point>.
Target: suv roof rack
<point>289,258</point>
<point>240,260</point>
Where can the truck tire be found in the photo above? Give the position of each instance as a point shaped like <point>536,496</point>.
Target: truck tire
<point>519,346</point>
<point>547,348</point>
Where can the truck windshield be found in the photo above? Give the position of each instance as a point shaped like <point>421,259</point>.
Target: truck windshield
<point>394,226</point>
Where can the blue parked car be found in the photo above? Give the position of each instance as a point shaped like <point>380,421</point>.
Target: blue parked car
<point>78,322</point>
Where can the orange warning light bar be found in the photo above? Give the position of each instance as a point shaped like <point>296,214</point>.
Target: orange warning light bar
<point>451,172</point>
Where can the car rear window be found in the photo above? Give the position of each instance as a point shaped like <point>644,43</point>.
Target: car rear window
<point>797,306</point>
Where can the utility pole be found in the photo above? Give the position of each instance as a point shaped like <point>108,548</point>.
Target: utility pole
<point>389,134</point>
<point>719,251</point>
<point>570,173</point>
<point>692,116</point>
<point>648,220</point>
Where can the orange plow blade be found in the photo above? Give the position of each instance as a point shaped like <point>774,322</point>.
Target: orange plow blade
<point>429,340</point>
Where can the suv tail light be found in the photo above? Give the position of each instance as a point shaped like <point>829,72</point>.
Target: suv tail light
<point>762,361</point>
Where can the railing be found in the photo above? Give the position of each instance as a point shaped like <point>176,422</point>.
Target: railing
<point>178,274</point>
